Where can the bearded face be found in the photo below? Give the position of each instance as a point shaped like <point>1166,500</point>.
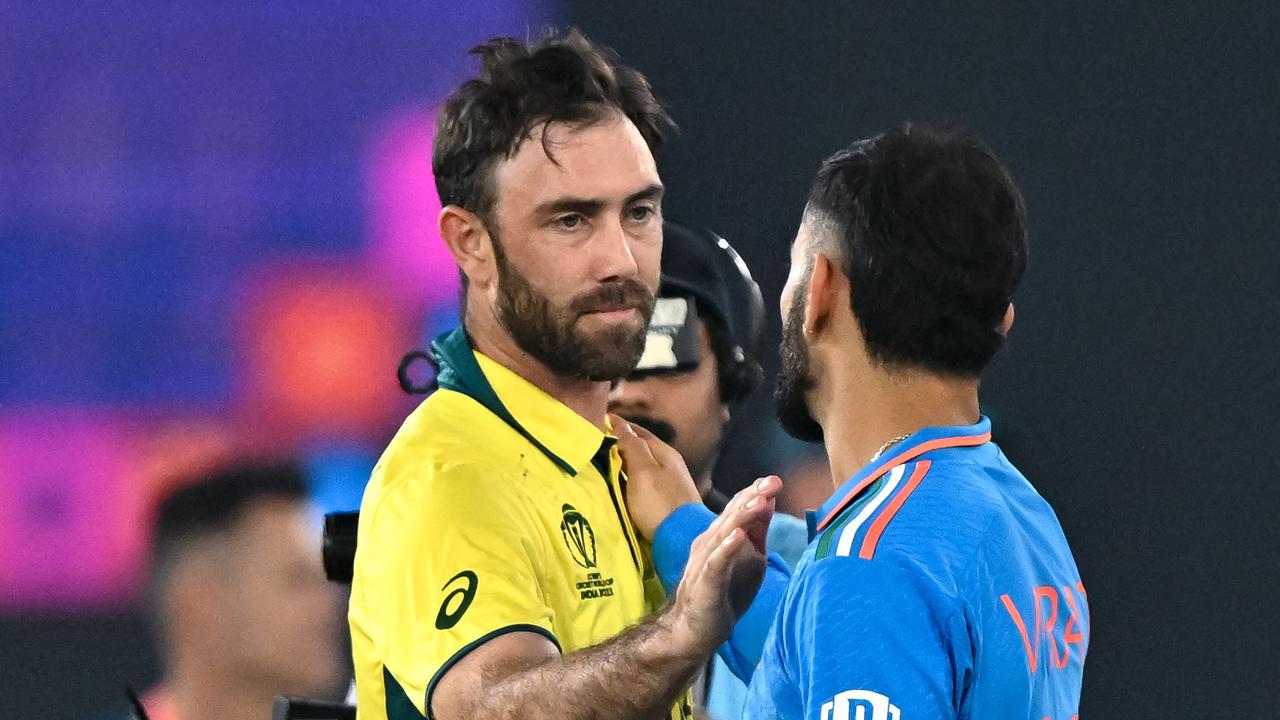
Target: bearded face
<point>795,377</point>
<point>554,335</point>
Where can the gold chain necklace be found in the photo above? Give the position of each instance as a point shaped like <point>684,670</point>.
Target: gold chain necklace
<point>888,445</point>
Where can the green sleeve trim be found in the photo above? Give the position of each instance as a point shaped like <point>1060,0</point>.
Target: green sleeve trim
<point>398,704</point>
<point>453,660</point>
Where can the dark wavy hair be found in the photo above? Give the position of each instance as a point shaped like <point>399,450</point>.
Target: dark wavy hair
<point>521,86</point>
<point>932,234</point>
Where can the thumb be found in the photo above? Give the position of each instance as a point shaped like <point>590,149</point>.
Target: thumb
<point>636,454</point>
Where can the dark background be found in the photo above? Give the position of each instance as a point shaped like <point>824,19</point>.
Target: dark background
<point>1139,389</point>
<point>152,158</point>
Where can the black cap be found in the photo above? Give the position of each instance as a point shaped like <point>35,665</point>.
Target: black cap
<point>696,262</point>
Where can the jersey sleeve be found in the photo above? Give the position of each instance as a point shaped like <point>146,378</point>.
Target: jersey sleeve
<point>448,562</point>
<point>877,640</point>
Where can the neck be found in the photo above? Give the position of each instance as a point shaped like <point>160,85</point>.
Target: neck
<point>587,398</point>
<point>201,691</point>
<point>887,404</point>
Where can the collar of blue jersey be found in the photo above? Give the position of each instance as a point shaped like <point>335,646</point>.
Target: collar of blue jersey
<point>561,434</point>
<point>917,444</point>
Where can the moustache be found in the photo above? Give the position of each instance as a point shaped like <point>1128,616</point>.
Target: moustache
<point>660,428</point>
<point>618,295</point>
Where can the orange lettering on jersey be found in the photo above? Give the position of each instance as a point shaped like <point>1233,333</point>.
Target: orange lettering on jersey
<point>1046,591</point>
<point>1072,635</point>
<point>1045,623</point>
<point>1033,652</point>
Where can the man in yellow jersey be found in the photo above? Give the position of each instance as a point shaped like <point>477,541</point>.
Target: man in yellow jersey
<point>497,573</point>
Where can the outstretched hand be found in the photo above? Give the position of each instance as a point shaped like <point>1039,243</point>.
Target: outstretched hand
<point>726,566</point>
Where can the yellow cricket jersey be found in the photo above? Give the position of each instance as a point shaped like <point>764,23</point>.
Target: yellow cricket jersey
<point>495,509</point>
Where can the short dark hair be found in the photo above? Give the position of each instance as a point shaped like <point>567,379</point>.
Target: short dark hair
<point>932,234</point>
<point>211,504</point>
<point>560,78</point>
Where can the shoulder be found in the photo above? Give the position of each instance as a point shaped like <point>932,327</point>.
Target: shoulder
<point>929,518</point>
<point>449,427</point>
<point>448,446</point>
<point>451,458</point>
<point>842,607</point>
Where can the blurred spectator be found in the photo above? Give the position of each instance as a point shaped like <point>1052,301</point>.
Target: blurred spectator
<point>806,484</point>
<point>241,607</point>
<point>806,476</point>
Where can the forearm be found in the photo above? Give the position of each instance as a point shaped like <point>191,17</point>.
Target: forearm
<point>636,675</point>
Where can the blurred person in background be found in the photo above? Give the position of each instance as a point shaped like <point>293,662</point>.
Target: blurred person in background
<point>805,467</point>
<point>698,366</point>
<point>240,605</point>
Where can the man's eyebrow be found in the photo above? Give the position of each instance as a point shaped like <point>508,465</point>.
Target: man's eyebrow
<point>585,206</point>
<point>653,192</point>
<point>593,206</point>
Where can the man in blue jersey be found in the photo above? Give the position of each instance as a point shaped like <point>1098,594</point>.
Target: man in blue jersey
<point>937,583</point>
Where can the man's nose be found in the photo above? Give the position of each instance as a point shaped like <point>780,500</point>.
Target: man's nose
<point>628,396</point>
<point>613,258</point>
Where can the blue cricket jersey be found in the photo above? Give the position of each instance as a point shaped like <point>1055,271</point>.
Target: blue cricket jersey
<point>937,584</point>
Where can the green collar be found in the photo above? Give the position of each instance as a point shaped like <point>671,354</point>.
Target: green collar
<point>459,371</point>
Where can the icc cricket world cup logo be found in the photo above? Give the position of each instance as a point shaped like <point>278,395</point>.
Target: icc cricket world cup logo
<point>579,537</point>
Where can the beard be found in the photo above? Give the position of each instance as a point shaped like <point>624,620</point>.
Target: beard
<point>552,336</point>
<point>795,379</point>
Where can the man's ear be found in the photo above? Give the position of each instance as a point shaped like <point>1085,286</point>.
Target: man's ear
<point>468,240</point>
<point>820,302</point>
<point>1007,322</point>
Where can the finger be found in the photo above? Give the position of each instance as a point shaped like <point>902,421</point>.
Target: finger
<point>731,516</point>
<point>765,487</point>
<point>768,486</point>
<point>760,496</point>
<point>706,578</point>
<point>639,429</point>
<point>719,529</point>
<point>634,450</point>
<point>753,512</point>
<point>753,518</point>
<point>709,538</point>
<point>759,499</point>
<point>716,568</point>
<point>731,568</point>
<point>662,452</point>
<point>756,522</point>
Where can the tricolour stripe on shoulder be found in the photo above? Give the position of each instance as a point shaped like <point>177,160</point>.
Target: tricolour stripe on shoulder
<point>882,520</point>
<point>845,544</point>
